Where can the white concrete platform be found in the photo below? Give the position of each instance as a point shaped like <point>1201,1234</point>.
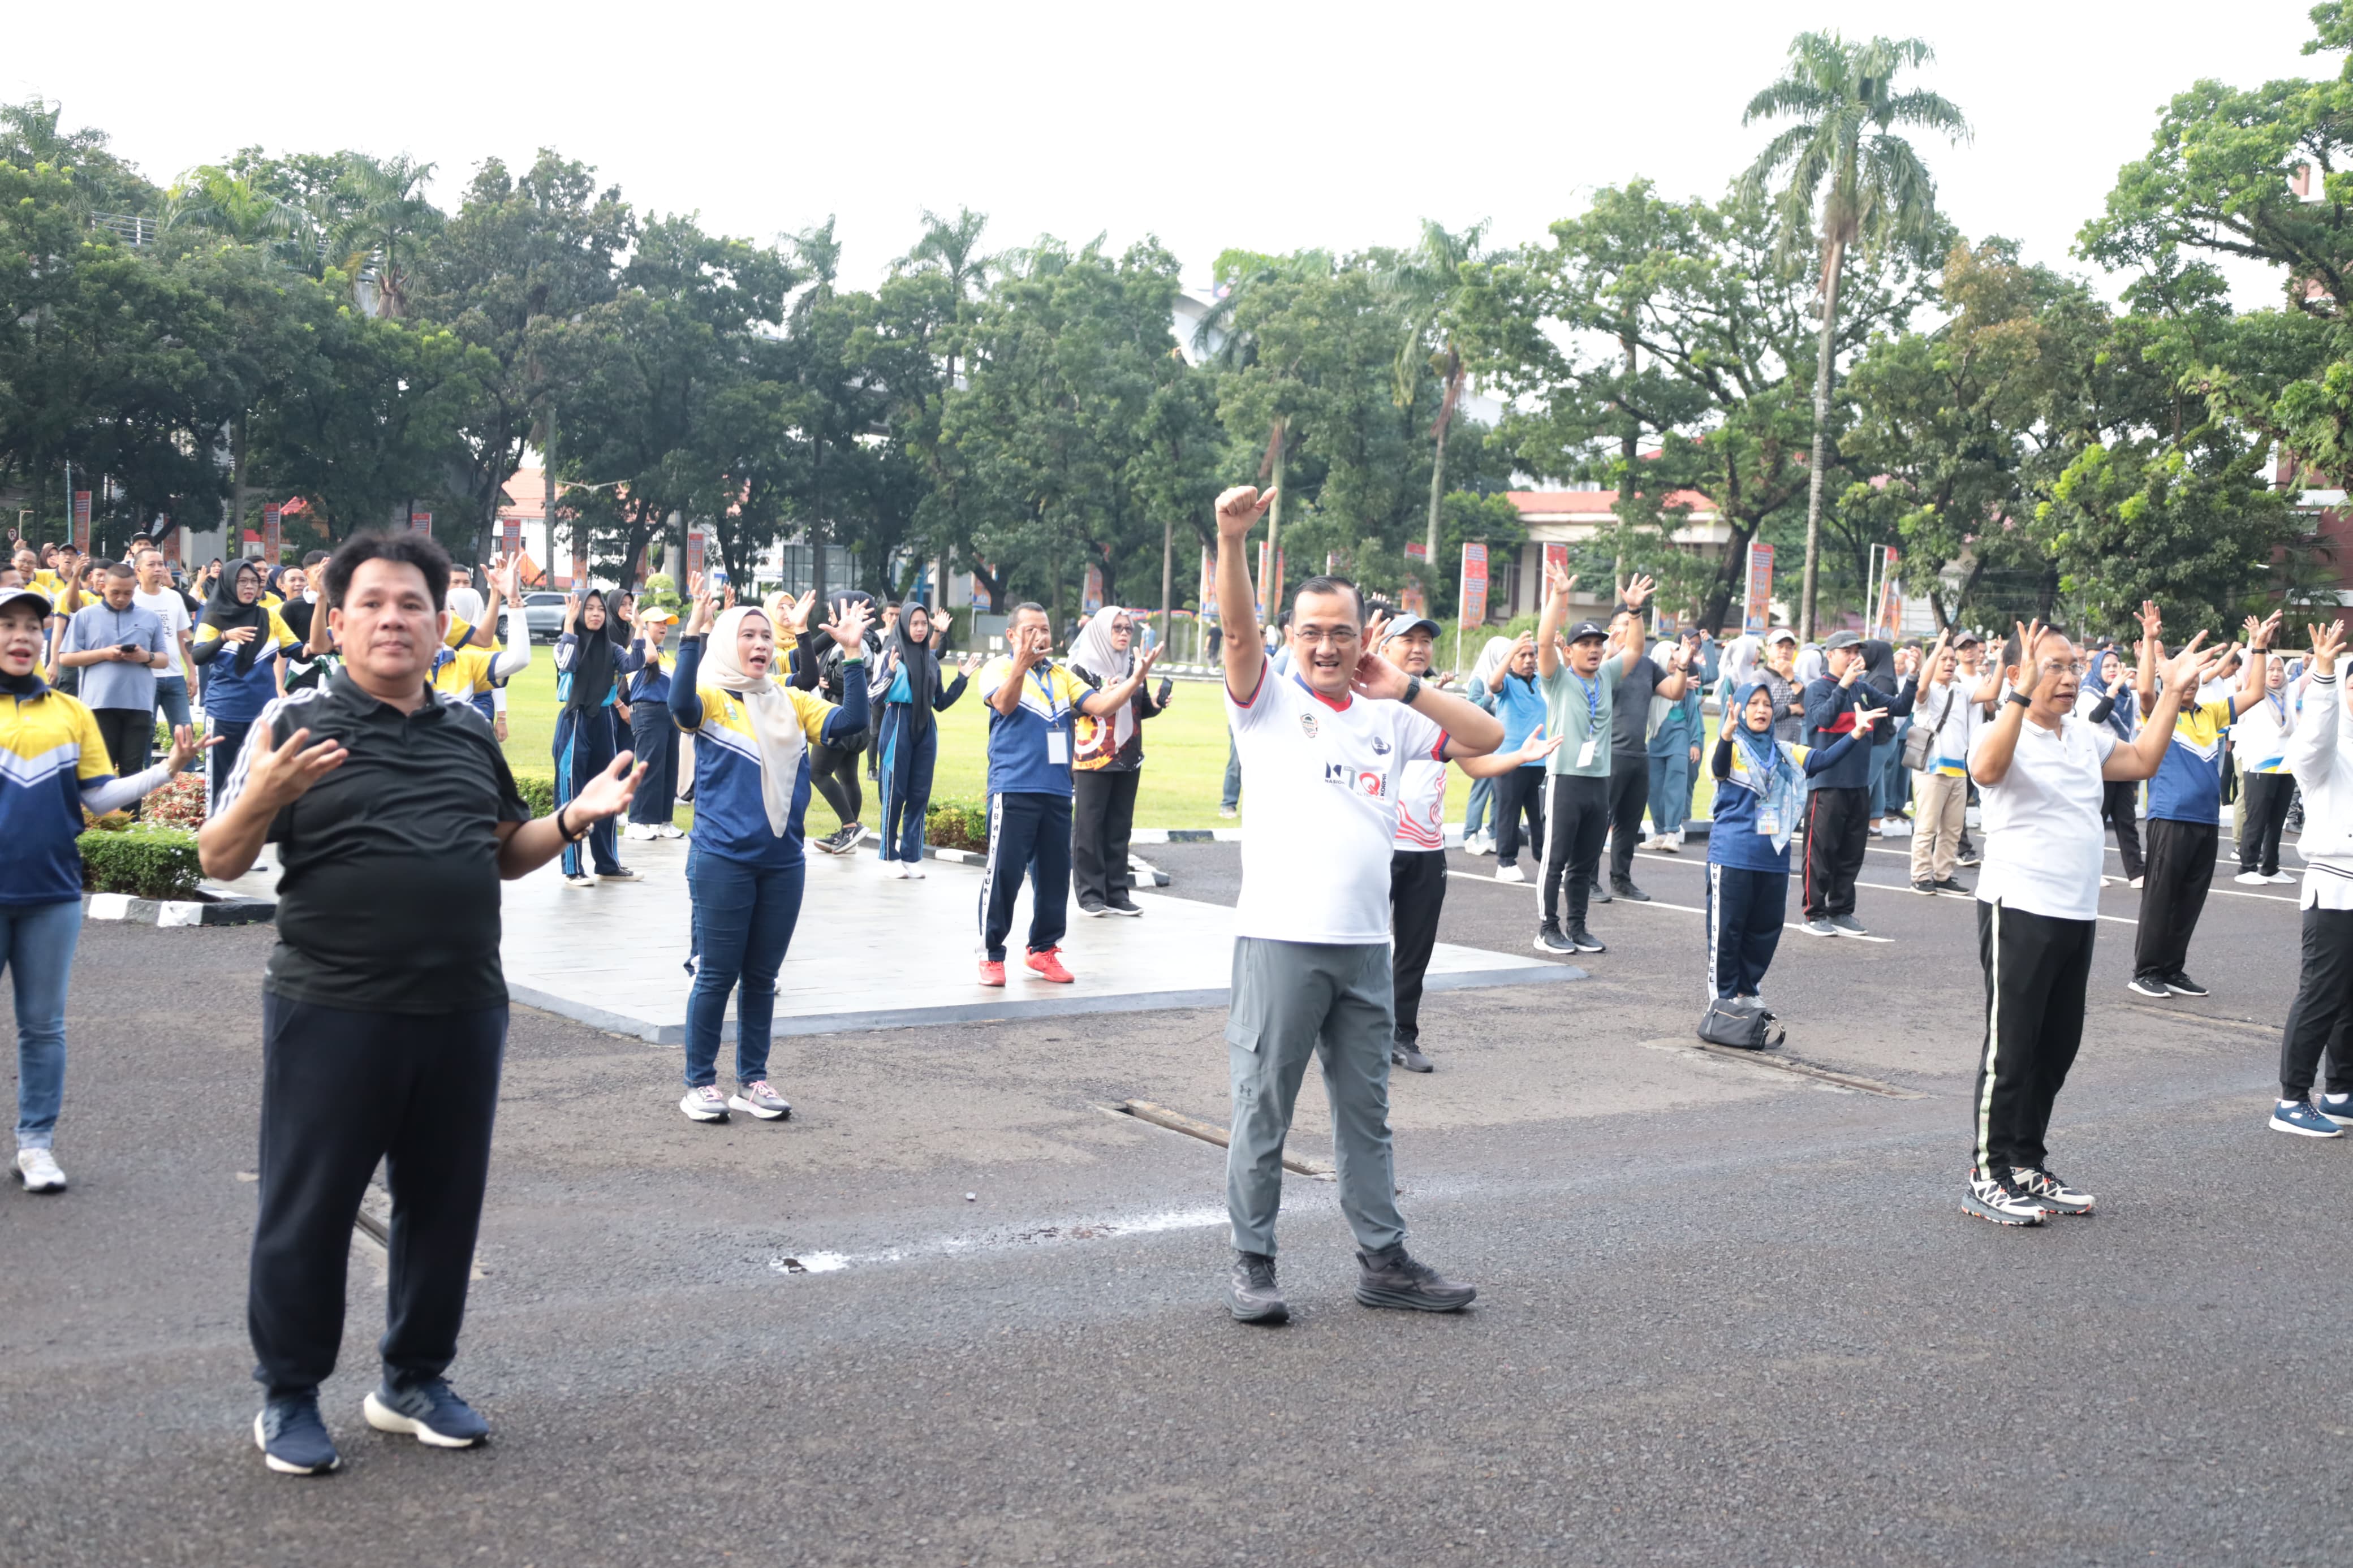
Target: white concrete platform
<point>876,952</point>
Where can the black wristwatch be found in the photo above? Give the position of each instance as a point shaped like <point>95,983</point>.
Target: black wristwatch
<point>1413,688</point>
<point>2022,699</point>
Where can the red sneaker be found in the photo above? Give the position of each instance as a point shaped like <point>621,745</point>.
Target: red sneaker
<point>1047,965</point>
<point>992,972</point>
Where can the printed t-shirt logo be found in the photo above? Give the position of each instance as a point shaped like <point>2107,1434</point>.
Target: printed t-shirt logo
<point>1380,747</point>
<point>1307,722</point>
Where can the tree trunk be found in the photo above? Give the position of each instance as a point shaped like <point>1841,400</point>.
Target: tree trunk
<point>815,529</point>
<point>1168,573</point>
<point>1629,452</point>
<point>233,537</point>
<point>1272,592</point>
<point>1438,460</point>
<point>1831,266</point>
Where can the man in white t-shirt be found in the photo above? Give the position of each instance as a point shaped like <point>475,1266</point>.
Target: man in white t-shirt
<point>1322,752</point>
<point>155,593</point>
<point>2042,769</point>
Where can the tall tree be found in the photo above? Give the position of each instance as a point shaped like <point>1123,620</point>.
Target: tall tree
<point>1430,282</point>
<point>1846,179</point>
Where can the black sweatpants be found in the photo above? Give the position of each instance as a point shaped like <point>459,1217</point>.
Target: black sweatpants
<point>1838,830</point>
<point>1745,908</point>
<point>129,737</point>
<point>2267,799</point>
<point>1416,896</point>
<point>1519,794</point>
<point>2036,970</point>
<point>833,769</point>
<point>2180,867</point>
<point>1629,795</point>
<point>1029,838</point>
<point>341,1090</point>
<point>2322,1016</point>
<point>1576,818</point>
<point>2120,805</point>
<point>1102,816</point>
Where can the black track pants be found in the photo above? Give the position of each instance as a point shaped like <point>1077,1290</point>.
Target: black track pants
<point>2036,970</point>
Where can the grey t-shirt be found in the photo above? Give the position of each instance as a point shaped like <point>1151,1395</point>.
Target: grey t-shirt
<point>1579,713</point>
<point>114,684</point>
<point>1632,712</point>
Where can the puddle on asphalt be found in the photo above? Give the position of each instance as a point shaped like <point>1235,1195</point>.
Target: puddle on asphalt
<point>969,1243</point>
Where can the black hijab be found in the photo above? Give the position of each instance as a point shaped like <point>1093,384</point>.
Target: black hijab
<point>223,610</point>
<point>923,667</point>
<point>592,659</point>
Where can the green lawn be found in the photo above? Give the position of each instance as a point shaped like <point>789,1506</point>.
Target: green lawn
<point>1184,754</point>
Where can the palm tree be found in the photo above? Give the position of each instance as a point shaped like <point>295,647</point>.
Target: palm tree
<point>1868,184</point>
<point>369,220</point>
<point>1427,283</point>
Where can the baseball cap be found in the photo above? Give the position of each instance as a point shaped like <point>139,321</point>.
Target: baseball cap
<point>1840,639</point>
<point>1412,624</point>
<point>1588,628</point>
<point>9,596</point>
<point>1780,635</point>
<point>1968,639</point>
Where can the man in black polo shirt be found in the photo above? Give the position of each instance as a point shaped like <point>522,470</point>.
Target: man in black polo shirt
<point>384,1006</point>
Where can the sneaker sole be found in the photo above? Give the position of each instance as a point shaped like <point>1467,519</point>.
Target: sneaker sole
<point>1592,947</point>
<point>1554,952</point>
<point>384,1418</point>
<point>1976,1209</point>
<point>2075,1211</point>
<point>1129,912</point>
<point>31,1187</point>
<point>1278,1313</point>
<point>1408,1302</point>
<point>705,1117</point>
<point>1049,979</point>
<point>1809,931</point>
<point>1095,914</point>
<point>284,1468</point>
<point>737,1102</point>
<point>2279,1126</point>
<point>2160,994</point>
<point>2173,990</point>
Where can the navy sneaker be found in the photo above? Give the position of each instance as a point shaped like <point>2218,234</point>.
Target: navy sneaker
<point>293,1439</point>
<point>2337,1108</point>
<point>2148,985</point>
<point>2300,1117</point>
<point>430,1412</point>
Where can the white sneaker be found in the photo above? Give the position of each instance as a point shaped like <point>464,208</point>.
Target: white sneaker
<point>636,830</point>
<point>2135,882</point>
<point>914,870</point>
<point>581,880</point>
<point>760,1100</point>
<point>2284,877</point>
<point>895,870</point>
<point>2252,879</point>
<point>38,1169</point>
<point>1510,874</point>
<point>704,1104</point>
<point>668,831</point>
<point>1670,845</point>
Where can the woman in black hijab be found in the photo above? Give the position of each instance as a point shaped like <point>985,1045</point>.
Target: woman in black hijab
<point>237,642</point>
<point>590,658</point>
<point>833,767</point>
<point>906,691</point>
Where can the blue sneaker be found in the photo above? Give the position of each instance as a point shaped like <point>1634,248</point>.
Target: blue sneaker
<point>2298,1116</point>
<point>293,1439</point>
<point>2337,1108</point>
<point>430,1412</point>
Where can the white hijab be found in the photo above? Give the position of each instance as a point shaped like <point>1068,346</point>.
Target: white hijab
<point>776,721</point>
<point>1095,654</point>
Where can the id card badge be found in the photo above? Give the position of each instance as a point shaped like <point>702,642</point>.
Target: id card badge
<point>1584,753</point>
<point>1058,748</point>
<point>1769,821</point>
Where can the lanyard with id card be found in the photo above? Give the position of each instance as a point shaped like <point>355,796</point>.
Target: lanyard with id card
<point>1057,739</point>
<point>1592,689</point>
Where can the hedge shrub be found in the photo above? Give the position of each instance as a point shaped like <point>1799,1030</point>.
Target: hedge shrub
<point>957,824</point>
<point>539,794</point>
<point>146,862</point>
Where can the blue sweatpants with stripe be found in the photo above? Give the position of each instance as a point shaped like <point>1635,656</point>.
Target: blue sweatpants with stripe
<point>584,748</point>
<point>1745,910</point>
<point>904,768</point>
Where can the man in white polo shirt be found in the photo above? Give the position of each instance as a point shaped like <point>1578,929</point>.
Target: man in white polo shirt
<point>2042,769</point>
<point>1323,752</point>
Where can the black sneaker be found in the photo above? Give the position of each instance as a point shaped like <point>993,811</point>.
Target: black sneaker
<point>1390,1277</point>
<point>1585,940</point>
<point>1989,1197</point>
<point>1549,940</point>
<point>1950,885</point>
<point>1122,905</point>
<point>1093,909</point>
<point>430,1412</point>
<point>1925,886</point>
<point>842,840</point>
<point>1969,857</point>
<point>1627,890</point>
<point>293,1439</point>
<point>1600,895</point>
<point>1410,1058</point>
<point>1250,1292</point>
<point>2181,984</point>
<point>2148,985</point>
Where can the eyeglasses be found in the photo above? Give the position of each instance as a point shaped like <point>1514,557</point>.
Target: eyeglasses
<point>1339,637</point>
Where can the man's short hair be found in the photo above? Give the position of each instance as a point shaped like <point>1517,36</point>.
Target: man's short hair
<point>312,559</point>
<point>1027,608</point>
<point>1326,585</point>
<point>418,549</point>
<point>122,569</point>
<point>142,554</point>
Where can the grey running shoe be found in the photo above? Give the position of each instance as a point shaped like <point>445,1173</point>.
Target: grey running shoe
<point>1819,927</point>
<point>1410,1058</point>
<point>1252,1295</point>
<point>1847,925</point>
<point>1585,940</point>
<point>1630,892</point>
<point>705,1103</point>
<point>1550,940</point>
<point>758,1099</point>
<point>1391,1277</point>
<point>1600,895</point>
<point>2043,1185</point>
<point>1990,1198</point>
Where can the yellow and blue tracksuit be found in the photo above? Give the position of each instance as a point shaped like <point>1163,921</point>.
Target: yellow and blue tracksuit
<point>907,752</point>
<point>744,877</point>
<point>465,673</point>
<point>653,736</point>
<point>2185,808</point>
<point>1030,752</point>
<point>234,697</point>
<point>1757,786</point>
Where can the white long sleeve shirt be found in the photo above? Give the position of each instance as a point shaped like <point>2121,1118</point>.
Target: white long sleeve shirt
<point>2320,755</point>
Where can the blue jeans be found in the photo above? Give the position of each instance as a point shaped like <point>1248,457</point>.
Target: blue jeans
<point>1670,790</point>
<point>744,919</point>
<point>1479,808</point>
<point>1232,796</point>
<point>1889,783</point>
<point>36,948</point>
<point>172,699</point>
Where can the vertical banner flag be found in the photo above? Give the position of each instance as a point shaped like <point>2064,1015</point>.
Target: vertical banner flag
<point>510,537</point>
<point>1890,616</point>
<point>1091,596</point>
<point>694,554</point>
<point>1414,599</point>
<point>170,545</point>
<point>1207,598</point>
<point>980,597</point>
<point>273,532</point>
<point>1759,608</point>
<point>1474,597</point>
<point>1556,555</point>
<point>580,556</point>
<point>421,521</point>
<point>81,520</point>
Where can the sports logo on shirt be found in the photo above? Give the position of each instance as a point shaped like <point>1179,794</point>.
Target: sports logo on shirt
<point>1380,747</point>
<point>1307,722</point>
<point>1367,781</point>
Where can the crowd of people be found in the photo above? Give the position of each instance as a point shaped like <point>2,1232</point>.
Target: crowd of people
<point>365,743</point>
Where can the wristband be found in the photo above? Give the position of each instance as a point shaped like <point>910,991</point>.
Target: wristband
<point>2021,699</point>
<point>1413,688</point>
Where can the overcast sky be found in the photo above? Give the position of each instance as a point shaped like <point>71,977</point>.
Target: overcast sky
<point>1270,127</point>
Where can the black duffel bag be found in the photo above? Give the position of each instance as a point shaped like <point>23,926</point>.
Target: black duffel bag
<point>1742,1028</point>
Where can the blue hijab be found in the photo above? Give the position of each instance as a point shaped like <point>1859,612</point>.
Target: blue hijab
<point>2125,709</point>
<point>1781,786</point>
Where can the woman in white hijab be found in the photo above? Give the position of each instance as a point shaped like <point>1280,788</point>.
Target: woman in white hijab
<point>750,791</point>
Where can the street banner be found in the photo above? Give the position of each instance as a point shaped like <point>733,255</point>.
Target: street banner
<point>421,521</point>
<point>1889,618</point>
<point>1759,610</point>
<point>1413,597</point>
<point>1270,580</point>
<point>81,520</point>
<point>1091,596</point>
<point>980,595</point>
<point>1473,596</point>
<point>695,554</point>
<point>273,532</point>
<point>510,537</point>
<point>1208,597</point>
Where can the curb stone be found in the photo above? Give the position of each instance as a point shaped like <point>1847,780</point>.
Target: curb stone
<point>221,909</point>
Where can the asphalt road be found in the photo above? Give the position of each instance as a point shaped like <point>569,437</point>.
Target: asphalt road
<point>1728,1314</point>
